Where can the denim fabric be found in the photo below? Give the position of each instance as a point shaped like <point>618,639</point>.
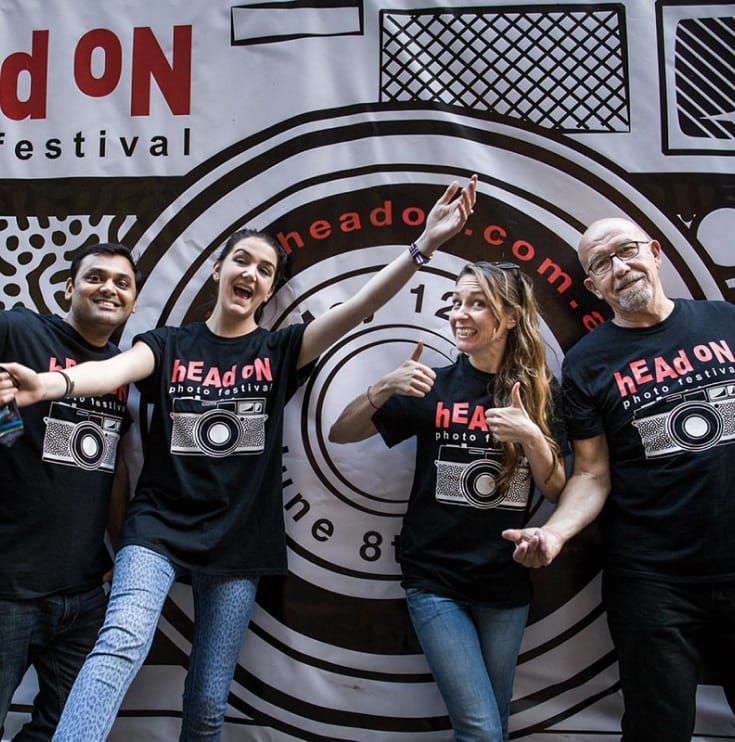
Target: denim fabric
<point>139,588</point>
<point>472,649</point>
<point>223,607</point>
<point>53,634</point>
<point>662,633</point>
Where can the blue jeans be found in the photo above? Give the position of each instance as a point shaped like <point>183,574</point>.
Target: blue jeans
<point>141,582</point>
<point>53,634</point>
<point>472,649</point>
<point>662,633</point>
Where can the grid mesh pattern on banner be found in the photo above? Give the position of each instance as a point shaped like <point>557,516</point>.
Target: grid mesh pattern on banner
<point>560,69</point>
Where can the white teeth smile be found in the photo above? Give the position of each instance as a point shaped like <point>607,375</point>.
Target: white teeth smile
<point>463,332</point>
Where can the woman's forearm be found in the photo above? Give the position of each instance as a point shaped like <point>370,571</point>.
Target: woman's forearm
<point>548,473</point>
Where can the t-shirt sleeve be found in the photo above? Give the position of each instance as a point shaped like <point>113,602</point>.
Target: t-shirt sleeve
<point>4,323</point>
<point>296,335</point>
<point>156,341</point>
<point>394,421</point>
<point>15,326</point>
<point>557,420</point>
<point>582,416</point>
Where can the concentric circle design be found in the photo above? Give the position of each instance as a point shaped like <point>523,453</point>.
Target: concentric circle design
<point>478,484</point>
<point>87,445</point>
<point>217,432</point>
<point>695,426</point>
<point>331,653</point>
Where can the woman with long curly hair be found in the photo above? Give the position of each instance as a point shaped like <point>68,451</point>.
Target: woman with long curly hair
<point>468,600</point>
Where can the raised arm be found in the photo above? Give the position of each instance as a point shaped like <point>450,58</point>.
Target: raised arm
<point>411,379</point>
<point>446,219</point>
<point>87,379</point>
<point>580,503</point>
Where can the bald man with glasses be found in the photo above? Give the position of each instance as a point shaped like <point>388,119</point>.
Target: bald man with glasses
<point>650,404</point>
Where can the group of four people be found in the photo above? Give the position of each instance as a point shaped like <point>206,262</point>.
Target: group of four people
<point>211,512</point>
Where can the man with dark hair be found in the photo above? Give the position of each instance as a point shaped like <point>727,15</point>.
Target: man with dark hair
<point>61,488</point>
<point>650,404</point>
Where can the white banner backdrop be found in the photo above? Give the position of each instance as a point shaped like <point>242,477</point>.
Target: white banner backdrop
<point>335,125</point>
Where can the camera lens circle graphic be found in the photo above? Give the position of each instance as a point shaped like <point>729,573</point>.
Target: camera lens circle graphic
<point>538,188</point>
<point>695,426</point>
<point>479,484</point>
<point>217,432</point>
<point>87,445</point>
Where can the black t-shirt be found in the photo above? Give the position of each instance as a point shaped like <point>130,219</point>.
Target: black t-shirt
<point>209,494</point>
<point>664,396</point>
<point>56,479</point>
<point>450,542</point>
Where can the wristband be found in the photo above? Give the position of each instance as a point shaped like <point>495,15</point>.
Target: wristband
<point>367,394</point>
<point>418,257</point>
<point>69,384</point>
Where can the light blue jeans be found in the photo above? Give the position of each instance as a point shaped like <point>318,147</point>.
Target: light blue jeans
<point>140,585</point>
<point>472,649</point>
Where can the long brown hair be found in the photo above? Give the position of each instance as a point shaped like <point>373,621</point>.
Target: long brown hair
<point>508,290</point>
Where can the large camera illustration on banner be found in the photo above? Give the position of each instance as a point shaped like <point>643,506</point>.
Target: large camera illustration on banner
<point>342,516</point>
<point>78,437</point>
<point>220,428</point>
<point>567,113</point>
<point>468,476</point>
<point>689,421</point>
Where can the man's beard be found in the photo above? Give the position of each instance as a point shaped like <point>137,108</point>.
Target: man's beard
<point>638,296</point>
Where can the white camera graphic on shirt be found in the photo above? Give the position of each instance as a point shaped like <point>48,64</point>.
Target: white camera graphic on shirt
<point>77,437</point>
<point>468,476</point>
<point>220,428</point>
<point>690,421</point>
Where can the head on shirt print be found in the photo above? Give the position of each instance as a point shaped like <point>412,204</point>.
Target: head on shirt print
<point>248,270</point>
<point>495,316</point>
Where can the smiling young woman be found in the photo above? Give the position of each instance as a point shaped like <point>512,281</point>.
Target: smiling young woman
<point>468,600</point>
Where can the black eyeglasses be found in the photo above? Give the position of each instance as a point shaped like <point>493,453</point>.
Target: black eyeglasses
<point>601,265</point>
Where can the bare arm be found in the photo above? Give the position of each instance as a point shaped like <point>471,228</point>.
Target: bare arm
<point>90,379</point>
<point>411,379</point>
<point>355,421</point>
<point>580,503</point>
<point>549,476</point>
<point>512,424</point>
<point>446,219</point>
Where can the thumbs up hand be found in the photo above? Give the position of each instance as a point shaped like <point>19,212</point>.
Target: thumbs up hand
<point>515,398</point>
<point>417,351</point>
<point>511,424</point>
<point>411,378</point>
